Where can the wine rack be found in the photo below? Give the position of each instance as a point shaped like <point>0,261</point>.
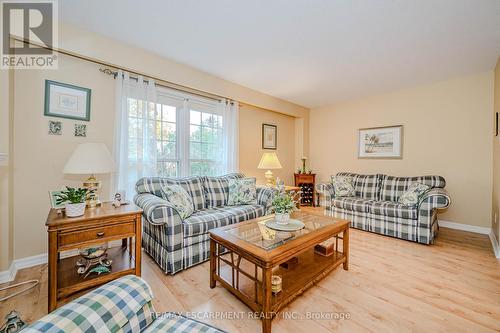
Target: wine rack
<point>306,182</point>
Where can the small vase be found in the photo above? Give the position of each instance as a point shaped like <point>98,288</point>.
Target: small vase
<point>75,210</point>
<point>282,218</point>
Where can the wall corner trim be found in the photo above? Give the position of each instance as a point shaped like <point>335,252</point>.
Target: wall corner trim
<point>494,243</point>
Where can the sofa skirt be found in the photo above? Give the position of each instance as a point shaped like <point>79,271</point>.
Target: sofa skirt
<point>407,229</point>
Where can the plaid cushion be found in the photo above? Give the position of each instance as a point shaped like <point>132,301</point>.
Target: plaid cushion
<point>265,196</point>
<point>172,322</point>
<point>193,185</point>
<point>394,187</point>
<point>217,189</point>
<point>356,204</point>
<point>202,221</point>
<point>366,186</point>
<point>120,305</point>
<point>394,209</point>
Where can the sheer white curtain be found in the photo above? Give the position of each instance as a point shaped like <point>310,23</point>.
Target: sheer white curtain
<point>135,140</point>
<point>230,136</point>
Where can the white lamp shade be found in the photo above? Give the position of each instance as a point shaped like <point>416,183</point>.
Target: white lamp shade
<point>269,161</point>
<point>90,158</point>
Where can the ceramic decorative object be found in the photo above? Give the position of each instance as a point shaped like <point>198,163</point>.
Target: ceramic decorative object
<point>95,260</point>
<point>292,225</point>
<point>75,210</point>
<point>81,130</point>
<point>55,127</point>
<point>276,284</point>
<point>282,218</point>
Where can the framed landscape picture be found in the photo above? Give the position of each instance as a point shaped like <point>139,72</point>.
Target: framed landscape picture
<point>381,142</point>
<point>66,101</point>
<point>269,136</point>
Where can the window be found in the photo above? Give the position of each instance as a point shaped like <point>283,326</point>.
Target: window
<point>205,138</point>
<point>184,146</point>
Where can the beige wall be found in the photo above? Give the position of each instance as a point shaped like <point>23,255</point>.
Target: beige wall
<point>447,131</point>
<point>251,120</point>
<point>40,157</point>
<point>496,161</point>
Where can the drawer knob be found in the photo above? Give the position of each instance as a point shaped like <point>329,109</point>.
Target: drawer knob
<point>100,234</point>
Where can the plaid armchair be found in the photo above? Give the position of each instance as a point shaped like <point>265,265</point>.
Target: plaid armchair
<point>176,243</point>
<point>123,305</point>
<point>375,206</point>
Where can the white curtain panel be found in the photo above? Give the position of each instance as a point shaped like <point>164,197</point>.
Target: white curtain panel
<point>230,136</point>
<point>135,143</point>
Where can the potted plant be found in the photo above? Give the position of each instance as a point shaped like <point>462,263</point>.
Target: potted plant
<point>283,204</point>
<point>75,200</point>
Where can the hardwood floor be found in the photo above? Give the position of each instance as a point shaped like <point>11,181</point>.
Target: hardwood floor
<point>391,286</point>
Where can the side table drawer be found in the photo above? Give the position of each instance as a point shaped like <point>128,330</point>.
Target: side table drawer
<point>83,236</point>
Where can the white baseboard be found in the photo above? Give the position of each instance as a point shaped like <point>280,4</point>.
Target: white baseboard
<point>494,242</point>
<point>464,227</point>
<point>40,259</point>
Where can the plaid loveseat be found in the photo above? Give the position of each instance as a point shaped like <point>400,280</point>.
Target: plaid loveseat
<point>123,305</point>
<point>375,206</point>
<point>176,243</point>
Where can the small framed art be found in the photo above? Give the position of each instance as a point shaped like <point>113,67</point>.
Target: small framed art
<point>381,142</point>
<point>53,200</point>
<point>66,101</point>
<point>269,136</point>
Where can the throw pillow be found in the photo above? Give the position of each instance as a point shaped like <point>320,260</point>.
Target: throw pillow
<point>343,186</point>
<point>242,192</point>
<point>412,195</point>
<point>178,196</point>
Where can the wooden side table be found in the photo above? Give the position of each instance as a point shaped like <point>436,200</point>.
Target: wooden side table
<point>99,225</point>
<point>307,183</point>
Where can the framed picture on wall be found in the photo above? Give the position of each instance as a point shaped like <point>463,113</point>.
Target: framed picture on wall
<point>269,136</point>
<point>381,142</point>
<point>66,101</point>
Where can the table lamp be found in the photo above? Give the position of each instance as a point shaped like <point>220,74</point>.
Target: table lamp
<point>269,161</point>
<point>90,159</point>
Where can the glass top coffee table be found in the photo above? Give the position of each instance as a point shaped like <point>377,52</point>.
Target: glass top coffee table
<point>245,256</point>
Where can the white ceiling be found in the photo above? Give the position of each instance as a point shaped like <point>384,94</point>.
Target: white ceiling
<point>310,52</point>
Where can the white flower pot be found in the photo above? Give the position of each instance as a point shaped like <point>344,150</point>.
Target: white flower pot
<point>282,218</point>
<point>74,210</point>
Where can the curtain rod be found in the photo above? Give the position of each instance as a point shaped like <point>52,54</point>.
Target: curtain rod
<point>161,82</point>
<point>166,83</point>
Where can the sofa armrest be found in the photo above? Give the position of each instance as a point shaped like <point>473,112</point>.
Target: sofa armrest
<point>157,210</point>
<point>124,304</point>
<point>265,196</point>
<point>328,192</point>
<point>436,198</point>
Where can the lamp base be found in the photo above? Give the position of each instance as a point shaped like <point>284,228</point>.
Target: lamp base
<point>269,178</point>
<point>93,184</point>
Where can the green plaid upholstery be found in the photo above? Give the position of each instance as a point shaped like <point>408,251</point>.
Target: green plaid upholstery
<point>123,305</point>
<point>192,185</point>
<point>265,196</point>
<point>175,323</point>
<point>176,244</point>
<point>217,189</point>
<point>418,223</point>
<point>366,186</point>
<point>354,204</point>
<point>394,209</point>
<point>394,187</point>
<point>202,221</point>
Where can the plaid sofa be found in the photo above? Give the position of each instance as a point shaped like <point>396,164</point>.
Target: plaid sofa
<point>375,206</point>
<point>176,243</point>
<point>123,305</point>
